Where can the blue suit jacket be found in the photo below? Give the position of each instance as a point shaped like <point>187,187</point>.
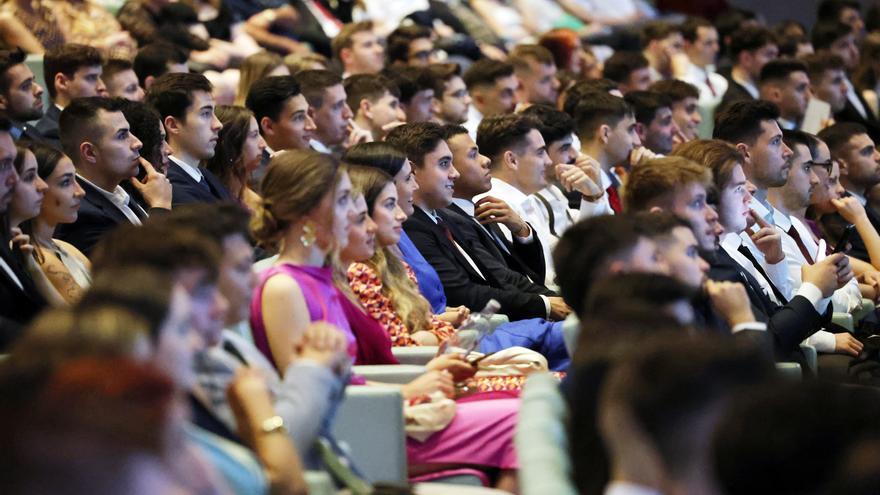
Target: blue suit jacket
<point>185,190</point>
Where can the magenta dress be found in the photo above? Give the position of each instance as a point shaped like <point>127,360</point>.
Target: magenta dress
<point>480,435</point>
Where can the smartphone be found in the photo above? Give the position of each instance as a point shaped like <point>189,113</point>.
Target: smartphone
<point>844,239</point>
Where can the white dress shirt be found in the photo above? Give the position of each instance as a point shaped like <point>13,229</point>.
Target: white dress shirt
<point>120,200</point>
<point>601,206</point>
<point>563,216</point>
<point>627,488</point>
<point>708,100</point>
<point>526,207</point>
<point>748,86</point>
<point>853,98</point>
<point>433,216</point>
<point>190,170</point>
<point>320,147</point>
<point>474,117</point>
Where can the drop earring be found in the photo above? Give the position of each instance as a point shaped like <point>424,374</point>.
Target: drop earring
<point>308,236</point>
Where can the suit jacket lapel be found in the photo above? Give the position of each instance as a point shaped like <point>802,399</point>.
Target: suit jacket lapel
<point>101,202</point>
<point>423,217</point>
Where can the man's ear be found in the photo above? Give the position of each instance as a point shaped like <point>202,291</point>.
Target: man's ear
<point>148,81</point>
<point>604,132</point>
<point>266,126</point>
<point>509,159</point>
<point>3,102</point>
<point>345,56</point>
<point>88,152</point>
<point>641,130</point>
<point>172,126</point>
<point>844,167</point>
<point>364,107</point>
<point>655,209</point>
<point>60,81</point>
<point>743,148</point>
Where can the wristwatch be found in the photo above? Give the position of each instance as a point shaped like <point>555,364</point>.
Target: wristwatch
<point>274,424</point>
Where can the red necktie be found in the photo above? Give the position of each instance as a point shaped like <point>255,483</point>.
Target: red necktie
<point>614,199</point>
<point>709,84</point>
<point>800,243</point>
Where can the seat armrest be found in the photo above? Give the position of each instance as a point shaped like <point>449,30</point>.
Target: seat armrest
<point>319,483</point>
<point>868,307</point>
<point>370,423</point>
<point>419,355</point>
<point>790,371</point>
<point>390,373</point>
<point>812,357</point>
<point>844,320</point>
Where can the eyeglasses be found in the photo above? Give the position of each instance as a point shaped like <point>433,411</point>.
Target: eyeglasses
<point>827,165</point>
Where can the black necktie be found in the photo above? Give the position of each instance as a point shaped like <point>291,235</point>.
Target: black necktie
<point>749,256</point>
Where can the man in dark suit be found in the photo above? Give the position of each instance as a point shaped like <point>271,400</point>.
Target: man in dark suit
<point>19,299</point>
<point>20,95</point>
<point>750,48</point>
<point>96,136</point>
<point>71,71</point>
<point>186,106</point>
<point>470,276</point>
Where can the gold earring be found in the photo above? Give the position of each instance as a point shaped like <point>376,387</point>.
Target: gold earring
<point>308,236</point>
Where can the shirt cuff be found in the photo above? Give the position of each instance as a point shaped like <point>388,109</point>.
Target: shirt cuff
<point>525,240</point>
<point>814,295</point>
<point>752,325</point>
<point>823,341</point>
<point>546,305</point>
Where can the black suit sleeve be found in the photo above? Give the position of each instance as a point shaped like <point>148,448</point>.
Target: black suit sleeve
<point>531,254</point>
<point>793,323</point>
<point>461,290</point>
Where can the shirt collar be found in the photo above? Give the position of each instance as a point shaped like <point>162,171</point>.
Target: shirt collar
<point>781,220</point>
<point>747,85</point>
<point>861,199</point>
<point>193,172</point>
<point>118,196</point>
<point>507,191</point>
<point>319,147</point>
<point>731,241</point>
<point>765,210</point>
<point>465,204</point>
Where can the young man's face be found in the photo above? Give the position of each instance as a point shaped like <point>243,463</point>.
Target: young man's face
<point>383,111</point>
<point>829,188</point>
<point>769,157</point>
<point>801,178</point>
<point>8,175</point>
<point>196,135</point>
<point>622,138</point>
<point>293,129</point>
<point>754,61</point>
<point>687,117</point>
<point>689,202</point>
<point>420,52</point>
<point>452,106</point>
<point>124,84</point>
<point>733,202</point>
<point>366,55</point>
<point>499,98</point>
<point>539,83</point>
<point>658,134</point>
<point>681,252</point>
<point>331,120</point>
<point>705,48</point>
<point>638,80</point>
<point>860,162</point>
<point>23,100</point>
<point>117,149</point>
<point>561,151</point>
<point>209,307</point>
<point>531,163</point>
<point>436,178</point>
<point>847,49</point>
<point>474,168</point>
<point>420,107</point>
<point>793,95</point>
<point>644,257</point>
<point>86,81</point>
<point>237,279</point>
<point>831,88</point>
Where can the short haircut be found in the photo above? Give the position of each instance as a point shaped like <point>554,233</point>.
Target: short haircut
<point>377,154</point>
<point>267,96</point>
<point>837,136</point>
<point>831,9</point>
<point>114,66</point>
<point>780,69</point>
<point>67,59</point>
<point>227,220</point>
<point>597,109</point>
<point>144,121</point>
<point>371,87</point>
<point>519,57</point>
<point>553,124</point>
<point>718,156</point>
<point>576,93</point>
<point>675,89</point>
<point>691,25</point>
<point>153,60</point>
<point>408,81</point>
<point>485,72</point>
<point>749,39</point>
<point>818,63</point>
<point>313,83</point>
<point>585,249</point>
<point>657,31</point>
<point>656,179</point>
<point>645,104</point>
<point>172,94</point>
<point>440,74</point>
<point>397,43</point>
<point>452,130</point>
<point>827,32</point>
<point>159,245</point>
<point>345,38</point>
<point>499,133</point>
<point>658,225</point>
<point>622,64</point>
<point>79,121</point>
<point>8,59</point>
<point>793,138</point>
<point>741,121</point>
<point>416,140</point>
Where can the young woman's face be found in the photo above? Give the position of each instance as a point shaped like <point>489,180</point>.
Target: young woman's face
<point>62,198</point>
<point>252,150</point>
<point>388,216</point>
<point>406,186</point>
<point>361,234</point>
<point>178,341</point>
<point>334,216</point>
<point>29,191</point>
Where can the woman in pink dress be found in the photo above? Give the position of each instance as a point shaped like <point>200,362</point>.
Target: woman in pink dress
<point>306,212</point>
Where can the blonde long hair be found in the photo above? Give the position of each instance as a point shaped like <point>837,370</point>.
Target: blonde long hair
<point>408,302</point>
<point>253,68</point>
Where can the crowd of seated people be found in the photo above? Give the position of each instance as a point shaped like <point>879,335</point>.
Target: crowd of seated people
<point>221,220</point>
